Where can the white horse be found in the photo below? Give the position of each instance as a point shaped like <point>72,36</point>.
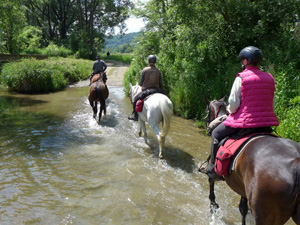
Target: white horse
<point>157,108</point>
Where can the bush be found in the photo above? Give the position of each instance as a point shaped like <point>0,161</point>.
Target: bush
<point>56,51</point>
<point>289,127</point>
<point>32,76</point>
<point>125,58</point>
<point>42,76</point>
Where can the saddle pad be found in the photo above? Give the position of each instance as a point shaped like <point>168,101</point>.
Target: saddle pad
<point>234,147</point>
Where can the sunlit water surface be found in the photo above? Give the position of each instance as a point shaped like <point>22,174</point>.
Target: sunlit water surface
<point>59,166</point>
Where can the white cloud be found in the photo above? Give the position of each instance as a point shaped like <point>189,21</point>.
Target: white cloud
<point>134,24</point>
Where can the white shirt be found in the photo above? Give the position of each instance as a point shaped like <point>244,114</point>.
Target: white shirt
<point>235,96</point>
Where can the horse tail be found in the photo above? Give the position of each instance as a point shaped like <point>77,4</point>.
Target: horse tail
<point>99,95</point>
<point>167,112</point>
<point>296,178</point>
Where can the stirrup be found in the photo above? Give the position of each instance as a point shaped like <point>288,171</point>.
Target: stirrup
<point>202,167</point>
<point>133,118</point>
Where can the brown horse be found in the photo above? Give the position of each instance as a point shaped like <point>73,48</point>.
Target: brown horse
<point>267,175</point>
<point>98,93</point>
<point>98,76</point>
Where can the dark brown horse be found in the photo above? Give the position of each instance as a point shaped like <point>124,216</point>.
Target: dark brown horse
<point>98,76</point>
<point>267,175</point>
<point>98,93</point>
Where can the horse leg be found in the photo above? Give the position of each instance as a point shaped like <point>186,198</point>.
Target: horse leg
<point>243,209</point>
<point>100,111</point>
<point>213,205</point>
<point>143,128</point>
<point>95,109</point>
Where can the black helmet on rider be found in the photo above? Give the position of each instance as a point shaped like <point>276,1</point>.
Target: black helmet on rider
<point>152,59</point>
<point>252,54</point>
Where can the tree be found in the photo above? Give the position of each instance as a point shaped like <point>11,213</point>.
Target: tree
<point>12,22</point>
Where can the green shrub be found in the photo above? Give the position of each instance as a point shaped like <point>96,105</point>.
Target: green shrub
<point>125,58</point>
<point>32,76</point>
<point>42,76</point>
<point>289,127</point>
<point>55,51</point>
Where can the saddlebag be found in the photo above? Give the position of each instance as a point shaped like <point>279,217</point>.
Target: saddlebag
<point>222,161</point>
<point>139,105</point>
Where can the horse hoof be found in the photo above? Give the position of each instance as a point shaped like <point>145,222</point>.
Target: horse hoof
<point>214,207</point>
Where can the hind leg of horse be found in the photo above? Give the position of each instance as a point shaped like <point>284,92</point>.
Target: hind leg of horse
<point>212,197</point>
<point>100,112</point>
<point>271,210</point>
<point>95,110</point>
<point>161,140</point>
<point>143,128</point>
<point>243,209</point>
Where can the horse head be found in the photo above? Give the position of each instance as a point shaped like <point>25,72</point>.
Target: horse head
<point>134,90</point>
<point>215,109</point>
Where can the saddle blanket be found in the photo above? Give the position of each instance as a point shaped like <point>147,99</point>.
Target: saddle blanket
<point>232,148</point>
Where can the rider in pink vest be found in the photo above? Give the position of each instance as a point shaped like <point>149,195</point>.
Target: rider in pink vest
<point>250,102</point>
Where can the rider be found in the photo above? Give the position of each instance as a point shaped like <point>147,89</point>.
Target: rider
<point>151,83</point>
<point>250,103</point>
<point>99,66</point>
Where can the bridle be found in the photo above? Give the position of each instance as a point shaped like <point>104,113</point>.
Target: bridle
<point>209,117</point>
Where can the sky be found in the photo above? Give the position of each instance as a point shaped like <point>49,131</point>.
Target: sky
<point>134,25</point>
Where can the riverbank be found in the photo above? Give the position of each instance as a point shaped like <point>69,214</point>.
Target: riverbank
<point>115,74</point>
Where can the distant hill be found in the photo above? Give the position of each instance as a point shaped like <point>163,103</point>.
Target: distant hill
<point>120,43</point>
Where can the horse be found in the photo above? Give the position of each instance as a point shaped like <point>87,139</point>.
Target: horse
<point>98,93</point>
<point>266,175</point>
<point>98,76</point>
<point>157,108</point>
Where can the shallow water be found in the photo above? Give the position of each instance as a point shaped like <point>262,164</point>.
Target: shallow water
<point>59,166</point>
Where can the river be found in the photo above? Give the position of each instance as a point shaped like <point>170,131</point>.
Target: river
<point>59,166</point>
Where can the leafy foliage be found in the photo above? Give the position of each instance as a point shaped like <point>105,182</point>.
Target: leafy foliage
<point>197,43</point>
<point>42,76</point>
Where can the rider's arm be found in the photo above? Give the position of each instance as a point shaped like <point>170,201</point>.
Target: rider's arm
<point>235,95</point>
<point>104,66</point>
<point>142,77</point>
<point>160,81</point>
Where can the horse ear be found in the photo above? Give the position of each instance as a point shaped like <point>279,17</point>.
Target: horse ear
<point>207,101</point>
<point>222,99</point>
<point>130,85</point>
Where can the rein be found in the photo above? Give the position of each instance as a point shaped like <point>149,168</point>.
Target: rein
<point>210,111</point>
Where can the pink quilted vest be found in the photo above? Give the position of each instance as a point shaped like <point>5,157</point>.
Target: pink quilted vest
<point>256,108</point>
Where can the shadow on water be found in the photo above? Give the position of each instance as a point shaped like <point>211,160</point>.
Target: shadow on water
<point>108,121</point>
<point>174,156</point>
<point>178,158</point>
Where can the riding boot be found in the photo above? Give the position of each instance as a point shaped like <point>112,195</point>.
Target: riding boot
<point>91,76</point>
<point>135,117</point>
<point>211,166</point>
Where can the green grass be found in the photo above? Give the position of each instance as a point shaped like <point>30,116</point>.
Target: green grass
<point>42,76</point>
<point>125,58</point>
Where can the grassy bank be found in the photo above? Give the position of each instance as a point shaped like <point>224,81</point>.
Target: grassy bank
<point>125,58</point>
<point>42,76</point>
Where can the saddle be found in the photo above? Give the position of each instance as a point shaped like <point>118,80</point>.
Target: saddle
<point>144,96</point>
<point>233,146</point>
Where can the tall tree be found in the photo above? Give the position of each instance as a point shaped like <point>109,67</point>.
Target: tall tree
<point>54,17</point>
<point>12,22</point>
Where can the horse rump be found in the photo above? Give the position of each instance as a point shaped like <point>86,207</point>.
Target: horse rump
<point>296,189</point>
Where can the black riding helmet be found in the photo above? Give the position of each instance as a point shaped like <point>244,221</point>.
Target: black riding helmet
<point>252,54</point>
<point>152,59</point>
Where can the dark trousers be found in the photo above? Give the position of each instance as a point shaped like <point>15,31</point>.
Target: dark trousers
<point>217,135</point>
